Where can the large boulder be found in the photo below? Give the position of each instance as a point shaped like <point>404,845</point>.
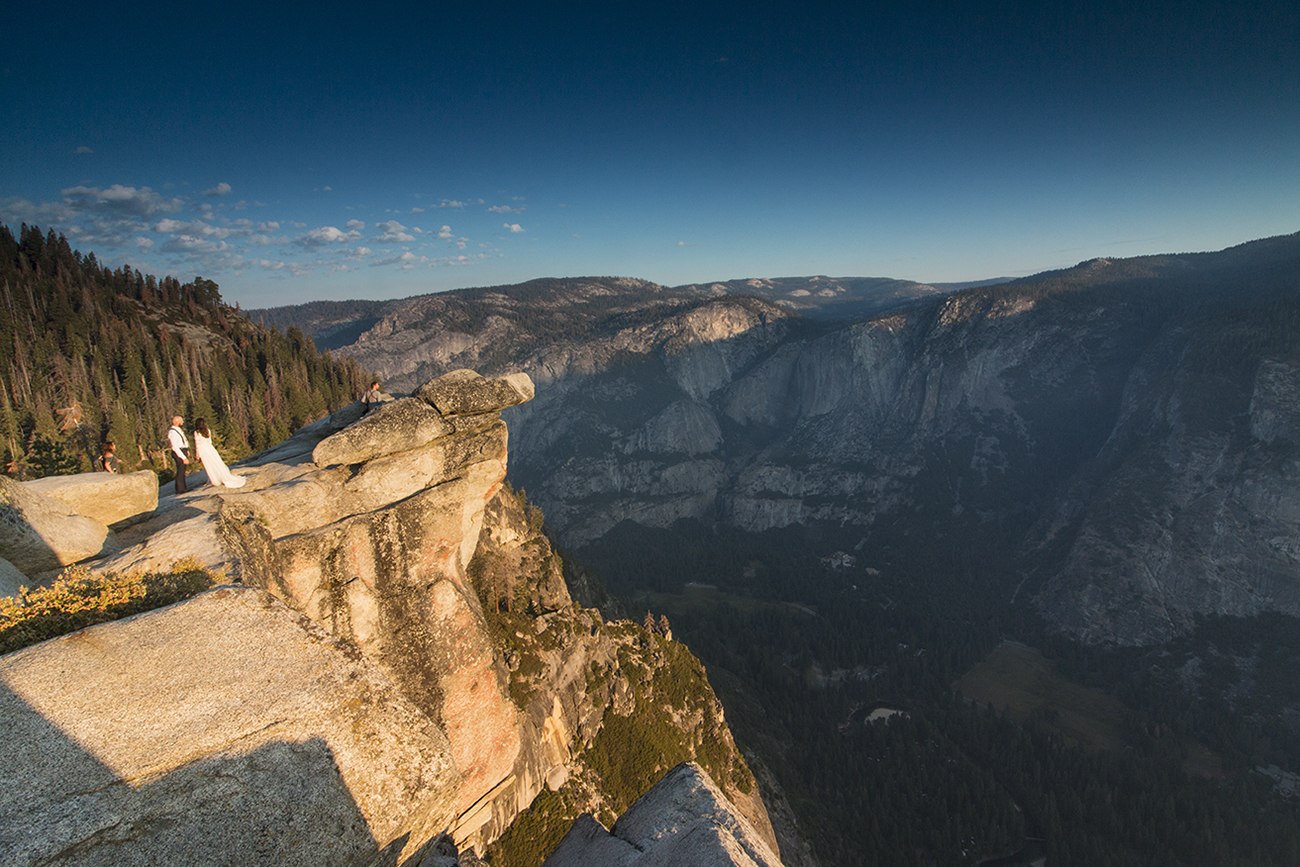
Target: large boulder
<point>227,729</point>
<point>106,497</point>
<point>683,819</point>
<point>464,392</point>
<point>39,533</point>
<point>394,427</point>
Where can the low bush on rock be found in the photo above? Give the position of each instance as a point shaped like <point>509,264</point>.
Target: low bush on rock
<point>79,599</point>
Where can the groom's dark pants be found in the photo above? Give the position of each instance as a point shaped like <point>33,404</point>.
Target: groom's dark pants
<point>180,474</point>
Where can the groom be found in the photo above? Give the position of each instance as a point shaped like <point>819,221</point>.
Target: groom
<point>176,438</point>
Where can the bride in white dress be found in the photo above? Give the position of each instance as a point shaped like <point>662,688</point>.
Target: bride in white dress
<point>213,465</point>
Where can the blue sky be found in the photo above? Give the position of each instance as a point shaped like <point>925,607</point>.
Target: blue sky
<point>300,152</point>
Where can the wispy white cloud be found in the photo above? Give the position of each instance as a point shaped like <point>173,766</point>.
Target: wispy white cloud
<point>107,217</point>
<point>393,231</point>
<point>193,247</point>
<point>169,226</point>
<point>197,231</point>
<point>120,200</point>
<point>82,149</point>
<point>404,261</point>
<point>46,214</point>
<point>325,236</point>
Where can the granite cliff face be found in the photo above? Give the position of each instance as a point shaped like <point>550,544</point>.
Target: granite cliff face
<point>355,696</point>
<point>1115,441</point>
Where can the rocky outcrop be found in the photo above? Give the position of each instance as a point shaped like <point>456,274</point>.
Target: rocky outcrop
<point>394,428</point>
<point>448,395</point>
<point>371,544</point>
<point>39,533</point>
<point>108,498</point>
<point>52,522</point>
<point>684,819</point>
<point>358,651</point>
<point>577,678</point>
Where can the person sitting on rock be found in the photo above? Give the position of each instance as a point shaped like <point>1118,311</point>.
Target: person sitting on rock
<point>372,398</point>
<point>107,462</point>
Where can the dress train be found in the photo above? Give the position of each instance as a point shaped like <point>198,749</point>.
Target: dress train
<point>213,465</point>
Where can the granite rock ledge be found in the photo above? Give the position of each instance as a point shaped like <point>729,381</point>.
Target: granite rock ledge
<point>346,705</point>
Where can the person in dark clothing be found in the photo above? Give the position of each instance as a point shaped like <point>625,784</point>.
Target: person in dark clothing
<point>107,462</point>
<point>179,443</point>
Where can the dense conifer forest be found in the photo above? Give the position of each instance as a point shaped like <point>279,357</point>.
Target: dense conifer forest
<point>98,354</point>
<point>802,650</point>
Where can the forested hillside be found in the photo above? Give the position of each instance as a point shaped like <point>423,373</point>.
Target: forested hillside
<point>96,354</point>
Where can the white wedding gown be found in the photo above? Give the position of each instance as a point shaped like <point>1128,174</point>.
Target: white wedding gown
<point>218,474</point>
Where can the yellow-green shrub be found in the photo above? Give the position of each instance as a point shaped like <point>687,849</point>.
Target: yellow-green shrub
<point>78,599</point>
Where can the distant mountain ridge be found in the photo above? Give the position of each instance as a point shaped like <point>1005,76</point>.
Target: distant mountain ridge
<point>829,298</point>
<point>1004,417</point>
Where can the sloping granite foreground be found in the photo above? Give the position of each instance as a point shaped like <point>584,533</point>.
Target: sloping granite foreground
<point>224,730</point>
